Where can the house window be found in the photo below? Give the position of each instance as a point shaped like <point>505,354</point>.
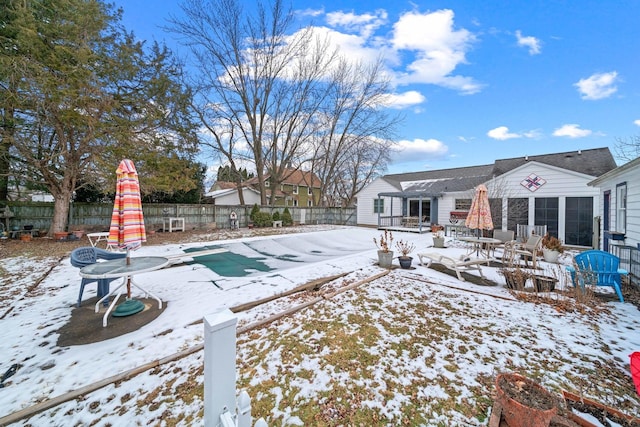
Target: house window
<point>309,203</point>
<point>578,223</point>
<point>295,189</point>
<point>378,205</point>
<point>621,207</point>
<point>295,202</point>
<point>463,204</point>
<point>546,212</point>
<point>309,191</point>
<point>281,187</point>
<point>517,212</point>
<point>267,183</point>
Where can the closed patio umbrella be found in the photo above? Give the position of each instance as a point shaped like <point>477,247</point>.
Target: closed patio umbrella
<point>127,222</point>
<point>479,217</point>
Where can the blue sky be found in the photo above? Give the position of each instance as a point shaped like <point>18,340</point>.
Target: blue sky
<point>479,81</point>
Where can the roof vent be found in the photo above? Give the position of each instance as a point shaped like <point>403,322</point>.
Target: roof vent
<point>579,151</point>
<point>526,158</point>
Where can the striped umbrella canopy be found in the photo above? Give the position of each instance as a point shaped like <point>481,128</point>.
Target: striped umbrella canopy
<point>127,222</point>
<point>480,213</point>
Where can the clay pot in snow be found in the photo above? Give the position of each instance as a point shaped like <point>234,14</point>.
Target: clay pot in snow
<point>524,402</point>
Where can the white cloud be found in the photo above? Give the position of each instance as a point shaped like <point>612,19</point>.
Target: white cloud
<point>364,24</point>
<point>528,41</point>
<point>437,48</point>
<point>598,86</point>
<point>422,48</point>
<point>502,133</point>
<point>354,47</point>
<point>636,122</point>
<point>571,131</point>
<point>403,100</point>
<point>410,151</point>
<point>310,12</point>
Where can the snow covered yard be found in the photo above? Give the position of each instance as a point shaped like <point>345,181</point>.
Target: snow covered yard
<point>414,347</point>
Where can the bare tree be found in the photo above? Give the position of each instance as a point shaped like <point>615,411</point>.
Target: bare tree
<point>628,149</point>
<point>245,62</point>
<point>291,100</point>
<point>353,139</point>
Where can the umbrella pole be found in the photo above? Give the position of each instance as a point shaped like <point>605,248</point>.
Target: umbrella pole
<point>128,258</point>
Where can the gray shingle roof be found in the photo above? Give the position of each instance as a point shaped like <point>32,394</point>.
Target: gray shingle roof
<point>594,162</point>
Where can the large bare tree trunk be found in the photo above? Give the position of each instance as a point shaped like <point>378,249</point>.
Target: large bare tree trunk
<point>60,213</point>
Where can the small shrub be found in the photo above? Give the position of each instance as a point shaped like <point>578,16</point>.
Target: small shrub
<point>286,217</point>
<point>254,210</point>
<point>276,216</point>
<point>552,243</point>
<point>262,219</point>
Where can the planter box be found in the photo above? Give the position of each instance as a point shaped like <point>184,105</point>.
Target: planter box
<point>544,283</point>
<point>438,242</point>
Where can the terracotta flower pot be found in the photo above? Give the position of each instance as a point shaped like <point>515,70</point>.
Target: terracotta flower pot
<point>524,402</point>
<point>60,235</point>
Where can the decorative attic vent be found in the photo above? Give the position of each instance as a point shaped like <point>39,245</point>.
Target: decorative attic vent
<point>533,182</point>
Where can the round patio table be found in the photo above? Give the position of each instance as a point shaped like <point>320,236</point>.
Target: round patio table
<point>481,245</point>
<point>120,268</point>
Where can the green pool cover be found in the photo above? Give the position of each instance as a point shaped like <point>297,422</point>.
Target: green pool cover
<point>229,264</point>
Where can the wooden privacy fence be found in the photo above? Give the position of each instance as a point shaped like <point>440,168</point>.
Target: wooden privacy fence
<point>97,216</point>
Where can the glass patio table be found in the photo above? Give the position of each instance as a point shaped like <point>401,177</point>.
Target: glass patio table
<point>481,245</point>
<point>116,268</point>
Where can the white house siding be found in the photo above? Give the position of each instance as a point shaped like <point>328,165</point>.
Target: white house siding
<point>366,216</point>
<point>560,183</point>
<point>629,173</point>
<point>448,203</point>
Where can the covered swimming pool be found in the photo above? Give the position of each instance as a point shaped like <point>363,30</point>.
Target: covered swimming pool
<point>257,256</point>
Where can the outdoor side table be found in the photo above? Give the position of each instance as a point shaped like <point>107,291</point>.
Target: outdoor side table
<point>116,268</point>
<point>173,224</point>
<point>95,238</point>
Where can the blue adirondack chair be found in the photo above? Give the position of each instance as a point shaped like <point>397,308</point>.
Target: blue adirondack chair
<point>597,268</point>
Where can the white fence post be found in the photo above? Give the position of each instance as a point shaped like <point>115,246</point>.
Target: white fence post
<point>219,366</point>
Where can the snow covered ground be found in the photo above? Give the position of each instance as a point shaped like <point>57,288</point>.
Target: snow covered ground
<point>488,331</point>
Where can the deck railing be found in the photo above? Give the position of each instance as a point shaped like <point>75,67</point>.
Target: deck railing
<point>629,260</point>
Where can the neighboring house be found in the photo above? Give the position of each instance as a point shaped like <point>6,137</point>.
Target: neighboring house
<point>620,205</point>
<point>549,189</point>
<point>229,196</point>
<point>298,188</point>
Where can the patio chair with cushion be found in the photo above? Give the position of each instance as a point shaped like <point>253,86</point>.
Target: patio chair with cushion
<point>83,256</point>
